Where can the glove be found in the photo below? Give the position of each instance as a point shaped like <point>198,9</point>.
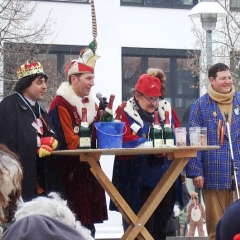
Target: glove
<point>44,151</point>
<point>50,141</point>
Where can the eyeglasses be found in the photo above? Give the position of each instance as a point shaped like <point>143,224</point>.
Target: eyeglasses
<point>152,99</point>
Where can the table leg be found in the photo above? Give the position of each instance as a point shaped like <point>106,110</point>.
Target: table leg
<point>115,196</point>
<point>156,197</point>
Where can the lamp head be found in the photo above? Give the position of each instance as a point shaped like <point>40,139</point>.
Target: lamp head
<point>207,8</point>
<point>208,21</point>
<point>208,12</point>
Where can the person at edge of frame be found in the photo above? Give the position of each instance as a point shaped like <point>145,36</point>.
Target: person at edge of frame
<point>135,177</point>
<point>211,171</point>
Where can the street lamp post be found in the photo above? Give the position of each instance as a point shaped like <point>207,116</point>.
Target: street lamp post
<point>208,11</point>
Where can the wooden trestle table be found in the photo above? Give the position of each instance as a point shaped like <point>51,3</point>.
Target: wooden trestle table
<point>180,157</point>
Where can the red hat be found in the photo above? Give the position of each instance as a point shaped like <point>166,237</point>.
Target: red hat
<point>149,85</point>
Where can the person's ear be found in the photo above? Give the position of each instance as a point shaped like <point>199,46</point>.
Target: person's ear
<point>136,95</point>
<point>211,79</point>
<point>73,79</point>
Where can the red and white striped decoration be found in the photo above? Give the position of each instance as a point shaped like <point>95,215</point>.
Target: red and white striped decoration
<point>94,22</point>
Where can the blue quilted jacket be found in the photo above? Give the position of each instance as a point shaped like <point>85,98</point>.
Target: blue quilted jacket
<point>215,165</point>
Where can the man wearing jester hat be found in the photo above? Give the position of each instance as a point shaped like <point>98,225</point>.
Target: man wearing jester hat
<point>84,194</point>
<point>26,129</point>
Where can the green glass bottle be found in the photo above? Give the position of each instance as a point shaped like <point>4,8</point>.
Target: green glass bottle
<point>167,131</point>
<point>84,131</point>
<point>107,115</point>
<point>157,132</point>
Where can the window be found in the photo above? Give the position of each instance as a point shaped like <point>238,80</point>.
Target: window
<point>181,88</point>
<point>235,5</point>
<point>181,4</point>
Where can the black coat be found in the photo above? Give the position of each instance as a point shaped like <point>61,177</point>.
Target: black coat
<point>20,136</point>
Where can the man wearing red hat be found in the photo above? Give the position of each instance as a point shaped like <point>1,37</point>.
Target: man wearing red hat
<point>135,177</point>
<point>25,128</point>
<point>84,194</point>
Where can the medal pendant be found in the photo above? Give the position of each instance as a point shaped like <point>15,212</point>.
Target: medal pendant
<point>76,129</point>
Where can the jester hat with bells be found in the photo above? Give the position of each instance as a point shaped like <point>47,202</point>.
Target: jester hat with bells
<point>87,58</point>
<point>85,63</point>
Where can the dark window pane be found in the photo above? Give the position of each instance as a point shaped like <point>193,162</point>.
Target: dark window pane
<point>49,63</point>
<point>132,1</point>
<point>185,4</point>
<point>234,5</point>
<point>185,93</point>
<point>163,64</point>
<point>131,71</point>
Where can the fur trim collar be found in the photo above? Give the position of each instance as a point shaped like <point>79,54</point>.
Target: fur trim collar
<point>65,90</point>
<point>132,112</point>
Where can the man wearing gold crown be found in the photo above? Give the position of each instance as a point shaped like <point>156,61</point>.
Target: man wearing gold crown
<point>84,194</point>
<point>26,129</point>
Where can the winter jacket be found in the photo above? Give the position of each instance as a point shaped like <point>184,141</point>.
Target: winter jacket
<point>215,165</point>
<point>18,134</point>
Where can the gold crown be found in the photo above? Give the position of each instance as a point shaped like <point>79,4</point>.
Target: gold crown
<point>28,69</point>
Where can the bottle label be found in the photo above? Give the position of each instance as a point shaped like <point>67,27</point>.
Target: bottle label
<point>85,142</point>
<point>169,142</point>
<point>85,124</point>
<point>110,111</point>
<point>157,127</point>
<point>158,143</point>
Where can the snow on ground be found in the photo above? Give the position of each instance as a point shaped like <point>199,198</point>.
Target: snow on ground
<point>117,232</point>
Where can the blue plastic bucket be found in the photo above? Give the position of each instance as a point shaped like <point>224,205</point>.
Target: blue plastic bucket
<point>109,134</point>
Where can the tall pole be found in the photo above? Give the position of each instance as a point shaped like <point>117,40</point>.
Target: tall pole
<point>209,48</point>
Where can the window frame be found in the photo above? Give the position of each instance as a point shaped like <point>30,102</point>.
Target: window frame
<point>233,7</point>
<point>66,1</point>
<point>164,4</point>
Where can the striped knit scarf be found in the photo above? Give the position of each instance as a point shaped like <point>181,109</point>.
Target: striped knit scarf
<point>224,101</point>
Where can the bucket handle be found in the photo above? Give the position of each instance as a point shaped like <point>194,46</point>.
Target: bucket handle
<point>113,134</point>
